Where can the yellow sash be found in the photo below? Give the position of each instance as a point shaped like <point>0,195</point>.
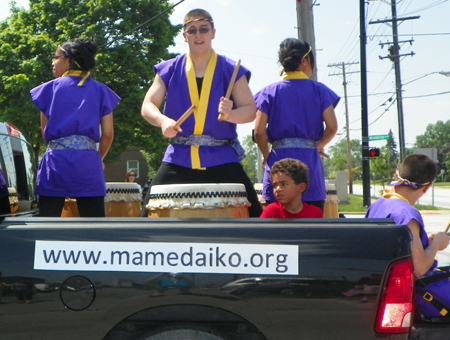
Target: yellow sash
<point>77,74</point>
<point>200,102</point>
<point>294,75</point>
<point>394,195</point>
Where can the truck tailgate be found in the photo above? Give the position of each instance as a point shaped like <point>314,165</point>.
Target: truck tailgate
<point>332,291</point>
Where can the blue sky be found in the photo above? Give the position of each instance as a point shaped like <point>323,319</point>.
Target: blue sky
<point>251,30</point>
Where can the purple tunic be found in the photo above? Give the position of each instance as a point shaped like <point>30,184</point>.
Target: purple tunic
<point>294,109</point>
<point>402,213</point>
<point>72,110</point>
<point>173,74</point>
<point>4,192</point>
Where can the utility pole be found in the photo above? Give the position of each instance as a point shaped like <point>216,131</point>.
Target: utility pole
<point>347,128</point>
<point>394,56</point>
<point>364,115</point>
<point>305,27</point>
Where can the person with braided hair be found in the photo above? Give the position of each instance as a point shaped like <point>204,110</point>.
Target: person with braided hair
<point>415,175</point>
<point>291,114</point>
<point>76,113</point>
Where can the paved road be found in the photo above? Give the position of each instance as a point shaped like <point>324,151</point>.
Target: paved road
<point>439,197</point>
<point>435,220</point>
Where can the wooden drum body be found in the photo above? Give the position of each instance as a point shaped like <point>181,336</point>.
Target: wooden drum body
<point>259,189</point>
<point>121,200</point>
<point>198,201</point>
<point>70,208</point>
<point>330,209</point>
<point>13,199</point>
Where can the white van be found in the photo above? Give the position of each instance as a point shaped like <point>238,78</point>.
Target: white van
<point>18,169</point>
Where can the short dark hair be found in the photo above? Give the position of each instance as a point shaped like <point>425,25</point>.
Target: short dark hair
<point>198,13</point>
<point>291,53</point>
<point>81,53</point>
<point>294,168</point>
<point>418,168</point>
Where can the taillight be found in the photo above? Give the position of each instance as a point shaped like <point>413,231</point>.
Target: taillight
<point>395,310</point>
<point>12,130</point>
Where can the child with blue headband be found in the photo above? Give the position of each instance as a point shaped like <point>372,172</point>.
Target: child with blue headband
<point>414,177</point>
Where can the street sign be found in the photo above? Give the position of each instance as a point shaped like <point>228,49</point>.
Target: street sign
<point>430,152</point>
<point>379,137</point>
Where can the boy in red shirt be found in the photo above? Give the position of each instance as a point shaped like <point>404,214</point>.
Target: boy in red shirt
<point>290,180</point>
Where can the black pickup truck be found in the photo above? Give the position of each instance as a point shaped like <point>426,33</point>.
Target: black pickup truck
<point>125,278</point>
<point>198,279</point>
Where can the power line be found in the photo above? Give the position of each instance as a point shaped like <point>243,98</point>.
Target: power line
<point>415,34</point>
<point>437,3</point>
<point>428,95</point>
<point>143,24</point>
<point>394,56</point>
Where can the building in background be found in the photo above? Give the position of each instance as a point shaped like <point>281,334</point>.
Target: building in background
<point>130,159</point>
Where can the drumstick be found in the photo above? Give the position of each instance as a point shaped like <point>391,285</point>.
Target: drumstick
<point>324,155</point>
<point>231,84</point>
<point>447,228</point>
<point>184,117</point>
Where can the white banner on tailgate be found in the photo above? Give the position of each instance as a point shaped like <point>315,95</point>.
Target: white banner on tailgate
<point>167,257</point>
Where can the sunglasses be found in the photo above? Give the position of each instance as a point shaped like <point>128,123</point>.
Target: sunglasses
<point>58,56</point>
<point>202,30</point>
<point>134,175</point>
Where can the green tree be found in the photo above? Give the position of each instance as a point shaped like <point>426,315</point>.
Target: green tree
<point>338,160</point>
<point>437,136</point>
<point>249,163</point>
<point>391,149</point>
<point>381,167</point>
<point>29,37</point>
<point>384,167</point>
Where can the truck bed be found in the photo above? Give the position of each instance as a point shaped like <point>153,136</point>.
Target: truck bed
<point>119,278</point>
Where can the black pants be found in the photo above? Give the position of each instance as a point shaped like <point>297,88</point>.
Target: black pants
<point>87,206</point>
<point>226,173</point>
<point>5,206</point>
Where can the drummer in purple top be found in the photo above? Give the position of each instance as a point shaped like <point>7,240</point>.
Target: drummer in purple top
<point>291,116</point>
<point>74,108</point>
<point>203,149</point>
<point>414,177</point>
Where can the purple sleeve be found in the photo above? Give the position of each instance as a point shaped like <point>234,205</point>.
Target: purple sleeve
<point>263,100</point>
<point>243,71</point>
<point>165,70</point>
<point>3,187</point>
<point>42,96</point>
<point>328,97</point>
<point>110,100</point>
<point>231,64</point>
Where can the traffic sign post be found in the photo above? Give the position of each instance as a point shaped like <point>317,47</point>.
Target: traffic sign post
<point>432,153</point>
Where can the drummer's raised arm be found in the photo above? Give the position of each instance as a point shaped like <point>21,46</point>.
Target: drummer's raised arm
<point>150,108</point>
<point>245,111</point>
